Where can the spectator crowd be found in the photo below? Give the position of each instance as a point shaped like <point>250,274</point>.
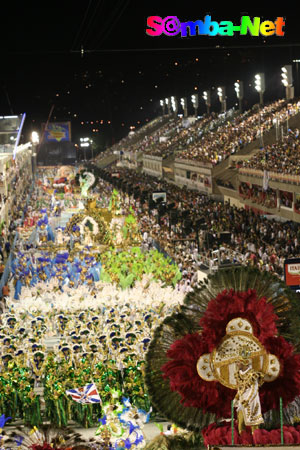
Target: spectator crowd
<point>254,239</point>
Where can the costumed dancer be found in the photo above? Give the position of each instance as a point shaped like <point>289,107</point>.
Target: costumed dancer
<point>247,400</point>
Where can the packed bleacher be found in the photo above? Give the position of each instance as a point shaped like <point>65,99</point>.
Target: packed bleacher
<point>281,157</point>
<point>211,138</point>
<point>158,142</point>
<point>228,139</point>
<point>129,142</point>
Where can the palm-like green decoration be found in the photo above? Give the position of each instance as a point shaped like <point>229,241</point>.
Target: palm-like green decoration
<point>105,277</point>
<point>186,320</point>
<point>126,281</point>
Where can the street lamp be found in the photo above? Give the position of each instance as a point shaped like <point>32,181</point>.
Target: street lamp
<point>259,80</point>
<point>195,101</point>
<point>287,80</point>
<point>207,99</point>
<point>221,91</point>
<point>183,103</point>
<point>239,89</point>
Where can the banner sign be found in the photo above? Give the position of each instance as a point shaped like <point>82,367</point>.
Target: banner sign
<point>58,132</point>
<point>292,273</point>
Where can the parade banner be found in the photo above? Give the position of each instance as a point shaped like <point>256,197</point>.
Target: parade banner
<point>58,132</point>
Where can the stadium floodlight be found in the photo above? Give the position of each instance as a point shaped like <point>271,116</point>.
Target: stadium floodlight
<point>259,81</point>
<point>85,142</point>
<point>162,104</point>
<point>284,76</point>
<point>174,104</point>
<point>287,80</point>
<point>35,139</point>
<point>221,91</point>
<point>239,90</point>
<point>287,75</point>
<point>183,102</point>
<point>168,104</point>
<point>207,99</point>
<point>195,101</point>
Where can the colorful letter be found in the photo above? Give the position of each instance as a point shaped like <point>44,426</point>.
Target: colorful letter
<point>279,24</point>
<point>208,24</point>
<point>246,25</point>
<point>155,22</point>
<point>191,27</point>
<point>226,28</point>
<point>267,28</point>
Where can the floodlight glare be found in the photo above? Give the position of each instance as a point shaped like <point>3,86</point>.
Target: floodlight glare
<point>287,75</point>
<point>35,139</point>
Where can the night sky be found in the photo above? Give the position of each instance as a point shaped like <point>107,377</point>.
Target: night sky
<point>123,73</point>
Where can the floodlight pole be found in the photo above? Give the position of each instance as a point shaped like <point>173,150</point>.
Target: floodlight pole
<point>261,98</point>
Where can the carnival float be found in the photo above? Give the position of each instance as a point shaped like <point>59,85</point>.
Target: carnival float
<point>226,365</point>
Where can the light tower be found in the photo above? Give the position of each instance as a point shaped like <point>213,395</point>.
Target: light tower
<point>195,101</point>
<point>287,81</point>
<point>207,99</point>
<point>174,104</point>
<point>221,91</point>
<point>183,103</point>
<point>239,89</point>
<point>260,86</point>
<point>162,104</point>
<point>168,104</point>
